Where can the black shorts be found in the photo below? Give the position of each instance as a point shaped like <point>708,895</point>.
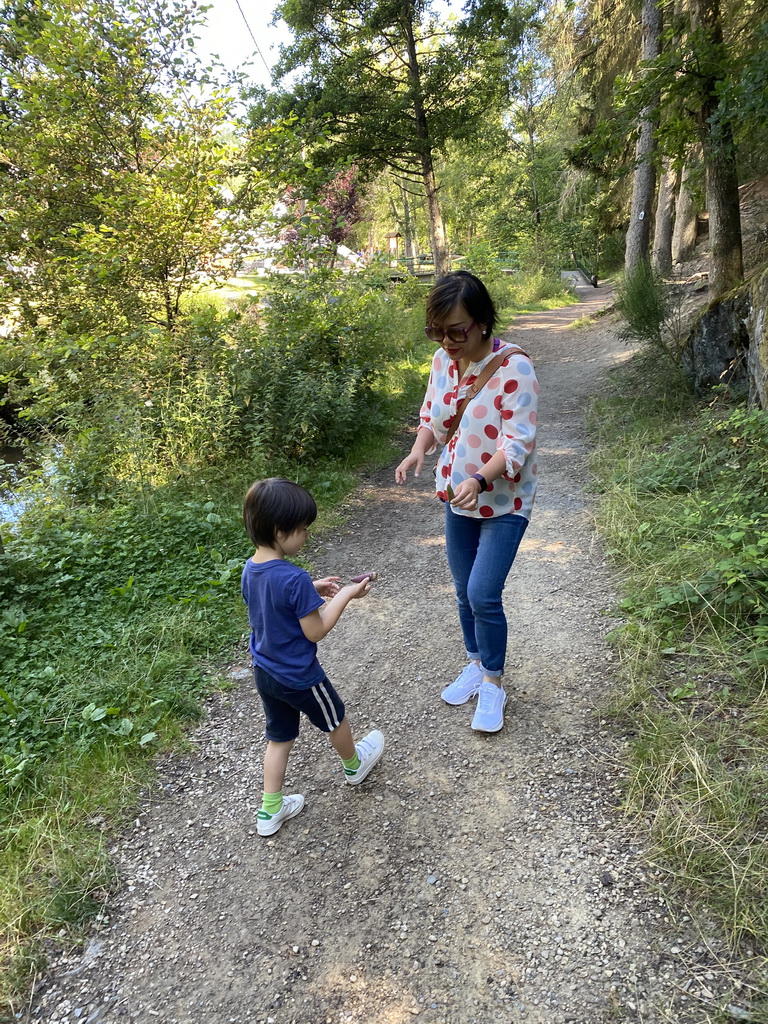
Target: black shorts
<point>283,706</point>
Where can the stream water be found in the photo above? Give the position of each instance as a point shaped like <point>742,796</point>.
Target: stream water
<point>11,471</point>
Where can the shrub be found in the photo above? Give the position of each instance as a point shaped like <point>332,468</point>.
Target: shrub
<point>643,306</point>
<point>315,354</point>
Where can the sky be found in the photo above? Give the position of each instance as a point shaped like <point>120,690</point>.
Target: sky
<point>227,34</point>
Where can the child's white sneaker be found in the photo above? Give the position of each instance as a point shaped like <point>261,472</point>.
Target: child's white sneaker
<point>268,824</point>
<point>369,750</point>
<point>465,686</point>
<point>489,715</point>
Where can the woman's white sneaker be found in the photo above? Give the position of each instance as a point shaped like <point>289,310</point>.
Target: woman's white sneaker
<point>489,715</point>
<point>465,685</point>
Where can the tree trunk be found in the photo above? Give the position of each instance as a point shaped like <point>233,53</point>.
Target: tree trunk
<point>661,255</point>
<point>644,183</point>
<point>726,268</point>
<point>410,240</point>
<point>684,234</point>
<point>436,223</point>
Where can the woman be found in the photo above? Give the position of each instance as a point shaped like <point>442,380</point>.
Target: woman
<point>486,473</point>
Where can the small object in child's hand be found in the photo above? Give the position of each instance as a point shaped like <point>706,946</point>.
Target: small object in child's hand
<point>370,576</point>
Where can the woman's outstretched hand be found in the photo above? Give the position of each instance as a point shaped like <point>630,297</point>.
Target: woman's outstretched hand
<point>415,461</point>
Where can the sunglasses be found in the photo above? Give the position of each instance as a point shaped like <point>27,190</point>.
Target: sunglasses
<point>457,335</point>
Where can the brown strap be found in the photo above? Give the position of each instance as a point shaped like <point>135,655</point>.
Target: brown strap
<point>480,382</point>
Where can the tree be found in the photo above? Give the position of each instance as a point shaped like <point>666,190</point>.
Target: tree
<point>323,219</point>
<point>113,198</point>
<point>644,182</point>
<point>511,185</point>
<point>684,229</point>
<point>388,85</point>
<point>661,253</point>
<point>719,152</point>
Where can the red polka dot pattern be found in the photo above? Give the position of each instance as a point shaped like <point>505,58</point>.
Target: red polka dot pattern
<point>502,417</point>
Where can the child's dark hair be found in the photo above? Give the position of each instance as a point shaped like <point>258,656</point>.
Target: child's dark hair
<point>461,286</point>
<point>276,504</point>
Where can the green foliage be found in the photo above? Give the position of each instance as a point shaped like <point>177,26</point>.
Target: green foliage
<point>644,308</point>
<point>361,98</point>
<point>516,291</point>
<point>683,513</point>
<point>85,668</point>
<point>715,478</point>
<point>538,290</point>
<point>113,189</point>
<point>324,343</point>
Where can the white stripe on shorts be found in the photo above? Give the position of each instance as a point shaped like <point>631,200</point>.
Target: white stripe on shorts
<point>331,720</point>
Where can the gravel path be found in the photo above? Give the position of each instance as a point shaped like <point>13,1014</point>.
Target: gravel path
<point>473,879</point>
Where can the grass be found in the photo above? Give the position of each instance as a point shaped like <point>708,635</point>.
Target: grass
<point>683,514</point>
<point>237,287</point>
<point>532,293</point>
<point>582,323</point>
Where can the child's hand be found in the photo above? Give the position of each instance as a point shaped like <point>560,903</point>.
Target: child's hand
<point>358,589</point>
<point>327,587</point>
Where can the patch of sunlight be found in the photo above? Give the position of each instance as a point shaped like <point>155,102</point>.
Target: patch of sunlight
<point>550,551</point>
<point>351,987</point>
<point>236,287</point>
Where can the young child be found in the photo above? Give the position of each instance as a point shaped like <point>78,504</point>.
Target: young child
<point>288,615</point>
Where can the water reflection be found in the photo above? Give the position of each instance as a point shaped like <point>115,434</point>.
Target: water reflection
<point>11,471</point>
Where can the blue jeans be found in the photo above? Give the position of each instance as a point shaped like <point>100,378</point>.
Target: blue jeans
<point>480,555</point>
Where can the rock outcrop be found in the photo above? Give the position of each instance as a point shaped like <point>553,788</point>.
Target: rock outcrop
<point>728,342</point>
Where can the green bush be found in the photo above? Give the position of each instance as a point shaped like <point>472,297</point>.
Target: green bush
<point>315,355</point>
<point>643,306</point>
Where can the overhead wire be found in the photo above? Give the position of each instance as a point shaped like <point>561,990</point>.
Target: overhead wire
<point>253,37</point>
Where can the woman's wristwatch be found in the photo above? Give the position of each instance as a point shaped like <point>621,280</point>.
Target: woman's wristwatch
<point>481,480</point>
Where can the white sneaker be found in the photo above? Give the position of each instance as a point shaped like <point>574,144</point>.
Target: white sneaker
<point>465,686</point>
<point>489,716</point>
<point>369,750</point>
<point>268,824</point>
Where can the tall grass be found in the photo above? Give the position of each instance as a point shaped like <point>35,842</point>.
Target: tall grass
<point>684,515</point>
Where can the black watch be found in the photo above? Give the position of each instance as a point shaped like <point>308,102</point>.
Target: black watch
<point>481,480</point>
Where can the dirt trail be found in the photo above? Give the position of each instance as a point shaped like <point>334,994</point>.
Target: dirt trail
<point>473,879</point>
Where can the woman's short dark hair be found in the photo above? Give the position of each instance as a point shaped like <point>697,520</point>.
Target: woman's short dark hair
<point>276,504</point>
<point>461,286</point>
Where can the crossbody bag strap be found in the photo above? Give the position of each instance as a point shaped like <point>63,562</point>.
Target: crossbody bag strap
<point>478,385</point>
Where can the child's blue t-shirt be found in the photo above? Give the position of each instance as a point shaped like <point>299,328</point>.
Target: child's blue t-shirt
<point>278,594</point>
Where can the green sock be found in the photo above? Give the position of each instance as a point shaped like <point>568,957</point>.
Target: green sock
<point>271,802</point>
<point>351,764</point>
